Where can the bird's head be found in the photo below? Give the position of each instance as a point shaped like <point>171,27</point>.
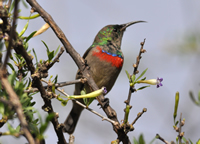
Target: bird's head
<point>112,34</point>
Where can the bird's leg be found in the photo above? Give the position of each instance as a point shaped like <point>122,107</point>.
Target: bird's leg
<point>105,102</point>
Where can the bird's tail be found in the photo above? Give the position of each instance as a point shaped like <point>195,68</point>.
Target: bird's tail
<point>72,119</point>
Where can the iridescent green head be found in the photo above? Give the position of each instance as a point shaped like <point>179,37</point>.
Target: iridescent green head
<point>112,34</point>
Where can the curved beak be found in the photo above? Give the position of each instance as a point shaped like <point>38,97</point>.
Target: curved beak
<point>124,26</point>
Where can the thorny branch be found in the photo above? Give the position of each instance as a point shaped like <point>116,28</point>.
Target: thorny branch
<point>83,68</point>
<point>84,106</point>
<point>61,84</point>
<point>37,83</point>
<point>4,81</point>
<point>131,89</point>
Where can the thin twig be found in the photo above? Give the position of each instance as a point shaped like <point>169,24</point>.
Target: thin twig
<point>135,71</point>
<point>81,65</point>
<point>84,106</point>
<point>179,132</point>
<point>139,115</point>
<point>57,58</point>
<point>11,36</point>
<point>162,139</point>
<point>19,49</point>
<point>61,84</point>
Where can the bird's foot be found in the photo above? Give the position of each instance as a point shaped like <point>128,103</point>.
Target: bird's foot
<point>105,102</point>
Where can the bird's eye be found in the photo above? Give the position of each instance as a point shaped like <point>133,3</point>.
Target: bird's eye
<point>115,30</point>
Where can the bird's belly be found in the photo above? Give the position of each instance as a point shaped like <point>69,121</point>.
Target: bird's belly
<point>104,72</point>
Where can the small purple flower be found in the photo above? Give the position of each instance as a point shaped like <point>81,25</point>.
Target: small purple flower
<point>159,80</point>
<point>153,82</point>
<point>104,90</point>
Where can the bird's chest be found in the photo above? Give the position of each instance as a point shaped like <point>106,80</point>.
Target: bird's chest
<point>105,57</point>
<point>104,67</point>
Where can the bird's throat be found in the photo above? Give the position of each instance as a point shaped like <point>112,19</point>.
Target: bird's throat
<point>115,60</point>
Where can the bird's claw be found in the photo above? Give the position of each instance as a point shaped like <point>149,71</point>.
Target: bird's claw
<point>105,103</point>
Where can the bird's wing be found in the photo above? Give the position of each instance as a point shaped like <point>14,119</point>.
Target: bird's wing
<point>86,52</point>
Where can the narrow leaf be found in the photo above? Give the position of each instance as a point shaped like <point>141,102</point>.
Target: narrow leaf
<point>143,87</point>
<point>128,75</point>
<point>141,139</point>
<point>31,17</point>
<point>11,66</point>
<point>35,55</point>
<point>142,74</point>
<point>133,78</point>
<point>46,47</point>
<point>50,56</point>
<point>30,36</point>
<point>56,50</point>
<point>176,105</point>
<point>24,29</point>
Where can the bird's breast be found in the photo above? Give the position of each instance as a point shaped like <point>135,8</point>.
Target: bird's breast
<point>114,59</point>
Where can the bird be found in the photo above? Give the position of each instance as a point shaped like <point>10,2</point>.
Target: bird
<point>105,60</point>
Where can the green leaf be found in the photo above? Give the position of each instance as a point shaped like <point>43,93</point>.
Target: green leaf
<point>176,123</point>
<point>24,29</point>
<point>25,4</point>
<point>46,47</point>
<point>10,128</point>
<point>133,78</point>
<point>12,6</point>
<point>2,108</point>
<point>184,139</point>
<point>141,139</point>
<point>142,74</point>
<point>50,56</point>
<point>143,78</point>
<point>135,141</point>
<point>143,87</point>
<point>35,56</point>
<point>55,79</point>
<point>11,66</point>
<point>1,46</point>
<point>198,142</point>
<point>25,46</point>
<point>64,102</point>
<point>30,36</point>
<point>199,96</point>
<point>28,18</point>
<point>11,78</point>
<point>56,50</point>
<point>128,75</point>
<point>90,101</point>
<point>18,128</point>
<point>151,142</point>
<point>45,125</point>
<point>85,100</point>
<point>50,117</point>
<point>176,105</point>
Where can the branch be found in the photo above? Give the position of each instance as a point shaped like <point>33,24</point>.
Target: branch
<point>84,106</point>
<point>81,65</point>
<point>14,100</point>
<point>56,59</point>
<point>12,32</point>
<point>37,83</point>
<point>162,139</point>
<point>61,84</point>
<point>135,71</point>
<point>131,90</point>
<point>19,49</point>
